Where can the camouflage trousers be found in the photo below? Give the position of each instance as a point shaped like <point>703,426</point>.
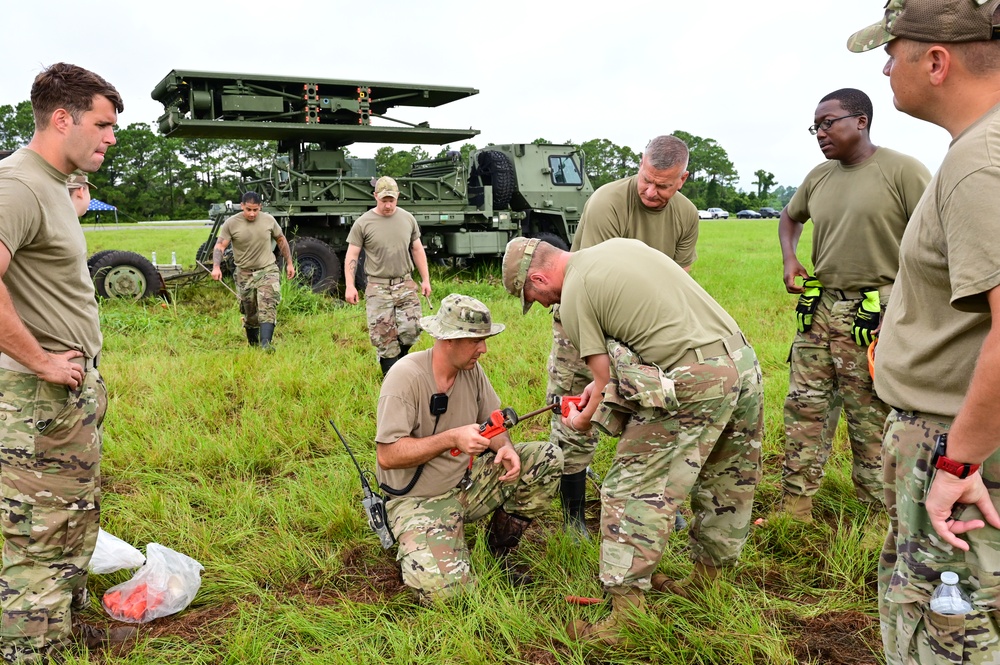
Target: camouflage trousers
<point>709,449</point>
<point>914,557</point>
<point>826,366</point>
<point>393,316</point>
<point>431,530</point>
<point>568,375</point>
<point>260,293</point>
<point>50,454</point>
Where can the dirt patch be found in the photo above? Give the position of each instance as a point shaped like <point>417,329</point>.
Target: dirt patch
<point>544,656</point>
<point>364,578</point>
<point>835,638</point>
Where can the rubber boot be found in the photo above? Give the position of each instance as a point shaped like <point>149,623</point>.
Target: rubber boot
<point>253,336</point>
<point>404,349</point>
<point>624,602</point>
<point>386,364</point>
<point>702,577</point>
<point>266,333</point>
<point>95,638</point>
<point>798,506</point>
<point>503,534</point>
<point>573,491</point>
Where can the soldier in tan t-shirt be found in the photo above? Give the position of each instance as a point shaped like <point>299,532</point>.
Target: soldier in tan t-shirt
<point>52,396</point>
<point>258,282</point>
<point>675,379</point>
<point>390,238</point>
<point>429,411</point>
<point>859,201</point>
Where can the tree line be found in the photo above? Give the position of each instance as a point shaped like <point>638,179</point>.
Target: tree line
<point>150,176</point>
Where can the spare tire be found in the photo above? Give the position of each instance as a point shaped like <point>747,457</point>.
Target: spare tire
<point>553,240</point>
<point>316,264</point>
<point>125,275</point>
<point>492,168</point>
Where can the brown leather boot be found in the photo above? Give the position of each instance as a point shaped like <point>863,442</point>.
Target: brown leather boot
<point>702,577</point>
<point>94,637</point>
<point>798,506</point>
<point>502,537</point>
<point>624,602</point>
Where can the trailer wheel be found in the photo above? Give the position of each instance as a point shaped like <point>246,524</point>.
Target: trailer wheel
<point>316,264</point>
<point>553,240</point>
<point>125,275</point>
<point>94,258</point>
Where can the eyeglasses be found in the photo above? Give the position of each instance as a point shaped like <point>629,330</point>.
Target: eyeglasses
<point>828,123</point>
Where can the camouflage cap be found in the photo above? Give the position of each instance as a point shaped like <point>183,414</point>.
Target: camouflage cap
<point>461,316</point>
<point>78,179</point>
<point>516,259</point>
<point>948,21</point>
<point>386,187</point>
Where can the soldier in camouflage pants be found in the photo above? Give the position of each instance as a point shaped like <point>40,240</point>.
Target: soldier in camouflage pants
<point>568,375</point>
<point>50,472</point>
<point>393,316</point>
<point>431,530</point>
<point>826,363</point>
<point>260,293</point>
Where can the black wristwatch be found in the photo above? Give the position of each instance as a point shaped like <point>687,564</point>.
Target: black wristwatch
<point>940,461</point>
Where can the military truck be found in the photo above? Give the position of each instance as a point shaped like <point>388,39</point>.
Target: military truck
<point>467,209</point>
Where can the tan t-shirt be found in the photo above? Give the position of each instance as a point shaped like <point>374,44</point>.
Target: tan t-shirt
<point>859,213</point>
<point>625,289</point>
<point>386,241</point>
<point>252,249</point>
<point>939,315</point>
<point>616,211</point>
<point>47,278</point>
<point>404,411</point>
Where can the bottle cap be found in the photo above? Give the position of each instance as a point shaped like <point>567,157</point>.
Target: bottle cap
<point>949,577</point>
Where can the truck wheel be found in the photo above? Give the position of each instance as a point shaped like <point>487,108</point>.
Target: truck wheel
<point>316,264</point>
<point>496,169</point>
<point>553,240</point>
<point>94,258</point>
<point>125,275</point>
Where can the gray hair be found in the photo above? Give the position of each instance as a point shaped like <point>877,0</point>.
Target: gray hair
<point>665,152</point>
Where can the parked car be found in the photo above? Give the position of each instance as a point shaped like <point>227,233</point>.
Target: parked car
<point>704,214</point>
<point>718,213</point>
<point>769,212</point>
<point>748,214</point>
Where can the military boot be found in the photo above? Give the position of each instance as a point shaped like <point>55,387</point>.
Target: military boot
<point>266,333</point>
<point>95,638</point>
<point>253,336</point>
<point>624,601</point>
<point>386,364</point>
<point>798,506</point>
<point>502,537</point>
<point>702,577</point>
<point>573,491</point>
<point>404,349</point>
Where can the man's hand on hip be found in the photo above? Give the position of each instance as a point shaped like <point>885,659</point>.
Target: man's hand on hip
<point>61,369</point>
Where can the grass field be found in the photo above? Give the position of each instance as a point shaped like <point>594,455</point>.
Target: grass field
<point>224,453</point>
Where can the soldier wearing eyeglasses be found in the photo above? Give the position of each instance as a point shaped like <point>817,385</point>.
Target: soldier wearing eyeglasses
<point>859,201</point>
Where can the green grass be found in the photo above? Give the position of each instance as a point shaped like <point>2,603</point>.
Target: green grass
<point>224,453</point>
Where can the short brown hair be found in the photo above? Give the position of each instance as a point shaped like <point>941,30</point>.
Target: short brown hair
<point>65,86</point>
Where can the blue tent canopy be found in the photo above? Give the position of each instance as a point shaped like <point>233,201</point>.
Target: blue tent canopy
<point>101,206</point>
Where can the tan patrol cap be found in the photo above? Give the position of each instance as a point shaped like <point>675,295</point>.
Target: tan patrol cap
<point>516,260</point>
<point>947,21</point>
<point>79,180</point>
<point>386,187</point>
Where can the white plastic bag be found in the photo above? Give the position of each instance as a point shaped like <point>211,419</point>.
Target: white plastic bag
<point>165,585</point>
<point>113,553</point>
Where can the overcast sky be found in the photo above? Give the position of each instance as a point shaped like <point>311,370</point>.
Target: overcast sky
<point>747,74</point>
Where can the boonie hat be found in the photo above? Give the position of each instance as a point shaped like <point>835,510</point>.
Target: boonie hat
<point>947,21</point>
<point>79,180</point>
<point>461,316</point>
<point>386,187</point>
<point>516,259</point>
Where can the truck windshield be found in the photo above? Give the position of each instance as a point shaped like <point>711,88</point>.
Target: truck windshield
<point>564,170</point>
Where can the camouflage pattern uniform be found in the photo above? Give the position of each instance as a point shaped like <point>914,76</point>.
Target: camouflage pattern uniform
<point>431,530</point>
<point>50,475</point>
<point>393,315</point>
<point>826,364</point>
<point>568,375</point>
<point>259,292</point>
<point>912,562</point>
<point>705,444</point>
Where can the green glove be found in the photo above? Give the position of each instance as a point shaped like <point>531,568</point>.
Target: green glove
<point>867,318</point>
<point>808,302</point>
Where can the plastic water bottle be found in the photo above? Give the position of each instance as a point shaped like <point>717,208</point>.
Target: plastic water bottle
<point>948,598</point>
<point>173,258</point>
<point>154,258</point>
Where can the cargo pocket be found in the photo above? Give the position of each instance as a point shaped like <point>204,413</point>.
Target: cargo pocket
<point>693,390</point>
<point>616,562</point>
